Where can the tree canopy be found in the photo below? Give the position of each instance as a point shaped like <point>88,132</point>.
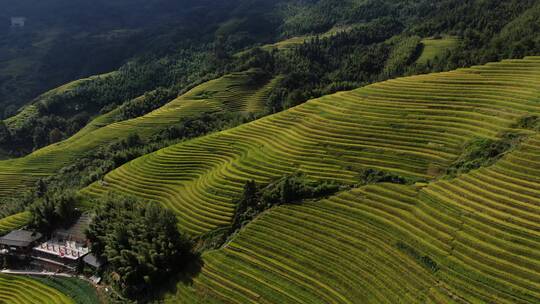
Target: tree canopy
<point>140,242</point>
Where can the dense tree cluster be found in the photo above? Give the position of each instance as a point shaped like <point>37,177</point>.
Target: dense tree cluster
<point>146,104</point>
<point>16,204</point>
<point>288,189</point>
<point>301,17</point>
<point>53,210</point>
<point>322,66</point>
<point>139,241</point>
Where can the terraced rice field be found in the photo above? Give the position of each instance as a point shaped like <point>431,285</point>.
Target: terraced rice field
<point>472,239</point>
<point>292,42</point>
<point>80,291</point>
<point>436,47</point>
<point>13,222</point>
<point>373,244</point>
<point>230,93</point>
<point>23,290</point>
<point>415,127</point>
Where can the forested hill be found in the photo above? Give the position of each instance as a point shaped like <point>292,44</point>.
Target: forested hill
<point>65,40</point>
<point>177,45</point>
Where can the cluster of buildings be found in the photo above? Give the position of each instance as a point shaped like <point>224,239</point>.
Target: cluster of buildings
<point>65,250</point>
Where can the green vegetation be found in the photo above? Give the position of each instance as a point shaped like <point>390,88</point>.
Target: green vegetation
<point>415,136</point>
<point>404,51</point>
<point>288,189</point>
<point>140,242</point>
<point>483,152</point>
<point>529,122</point>
<point>425,260</point>
<point>324,65</point>
<point>14,221</point>
<point>373,176</point>
<point>435,48</point>
<point>80,291</point>
<point>292,42</point>
<point>147,103</point>
<point>228,100</point>
<point>53,211</point>
<point>23,290</point>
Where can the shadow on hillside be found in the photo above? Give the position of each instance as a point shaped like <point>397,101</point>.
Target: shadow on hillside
<point>185,276</point>
<point>191,270</point>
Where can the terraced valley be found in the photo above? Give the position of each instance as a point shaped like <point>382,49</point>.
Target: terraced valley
<point>231,93</point>
<point>457,241</point>
<point>270,152</point>
<point>474,238</point>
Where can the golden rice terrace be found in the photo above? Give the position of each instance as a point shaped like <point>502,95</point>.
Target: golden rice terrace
<point>470,238</point>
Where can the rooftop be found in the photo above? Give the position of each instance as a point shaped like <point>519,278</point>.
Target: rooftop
<point>92,260</point>
<point>64,249</point>
<point>20,238</point>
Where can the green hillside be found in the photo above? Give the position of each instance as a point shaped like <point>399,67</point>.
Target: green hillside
<point>13,222</point>
<point>23,290</point>
<point>30,111</point>
<point>474,239</point>
<point>298,40</point>
<point>232,93</point>
<point>436,47</point>
<point>272,151</point>
<point>470,239</point>
<point>414,127</point>
<point>82,292</point>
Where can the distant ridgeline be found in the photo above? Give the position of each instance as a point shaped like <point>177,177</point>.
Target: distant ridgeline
<point>331,46</point>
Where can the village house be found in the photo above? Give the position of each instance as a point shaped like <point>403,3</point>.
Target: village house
<point>18,242</point>
<point>66,248</point>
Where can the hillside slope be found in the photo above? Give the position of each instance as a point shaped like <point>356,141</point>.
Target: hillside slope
<point>473,239</point>
<point>21,290</point>
<point>13,222</point>
<point>232,93</point>
<point>414,127</point>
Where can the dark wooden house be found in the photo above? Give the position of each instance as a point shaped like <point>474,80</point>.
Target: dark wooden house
<point>19,242</point>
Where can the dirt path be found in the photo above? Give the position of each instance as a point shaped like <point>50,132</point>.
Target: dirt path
<point>37,273</point>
